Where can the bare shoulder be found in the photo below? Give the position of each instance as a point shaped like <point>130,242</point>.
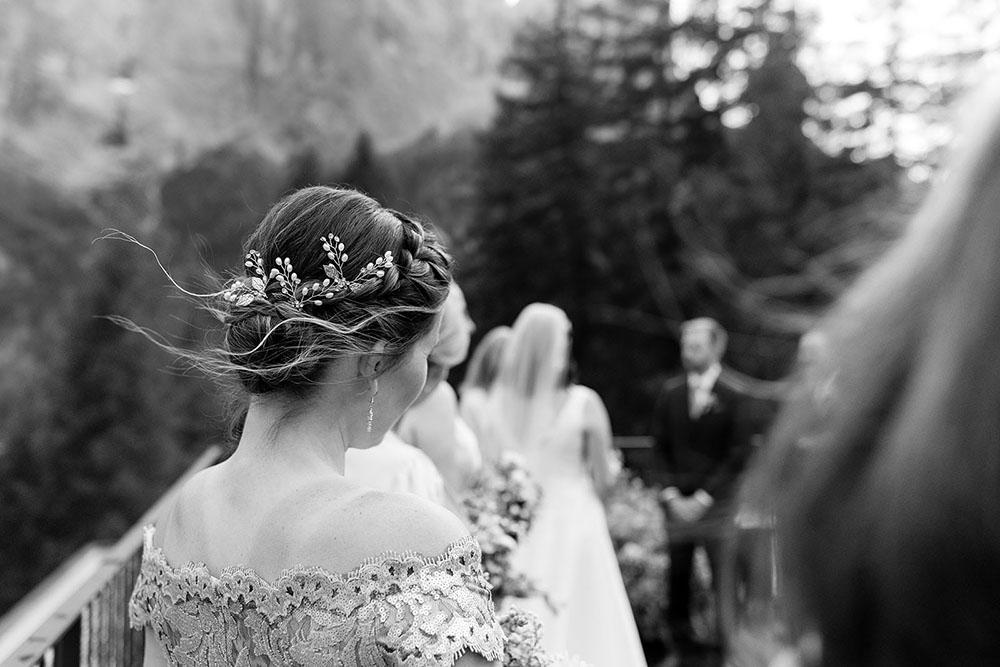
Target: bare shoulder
<point>181,520</point>
<point>590,398</point>
<point>473,396</point>
<point>440,402</point>
<point>446,394</point>
<point>415,524</point>
<point>371,523</point>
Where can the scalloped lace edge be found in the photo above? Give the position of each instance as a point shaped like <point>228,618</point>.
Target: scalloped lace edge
<point>450,552</point>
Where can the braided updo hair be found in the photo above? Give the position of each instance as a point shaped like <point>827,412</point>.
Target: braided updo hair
<point>278,347</point>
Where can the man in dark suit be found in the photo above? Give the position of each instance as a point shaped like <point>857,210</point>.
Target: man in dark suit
<point>701,447</point>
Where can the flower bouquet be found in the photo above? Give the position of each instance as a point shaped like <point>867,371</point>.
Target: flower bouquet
<point>523,647</point>
<point>638,532</point>
<point>500,507</point>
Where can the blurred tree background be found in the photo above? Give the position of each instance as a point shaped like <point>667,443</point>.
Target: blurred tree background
<point>636,162</point>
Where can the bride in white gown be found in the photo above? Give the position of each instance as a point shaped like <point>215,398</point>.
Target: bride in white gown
<point>564,434</point>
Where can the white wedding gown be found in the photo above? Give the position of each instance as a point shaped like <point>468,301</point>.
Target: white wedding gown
<point>568,553</point>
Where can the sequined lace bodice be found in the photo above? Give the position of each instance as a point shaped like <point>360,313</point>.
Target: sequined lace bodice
<point>399,609</point>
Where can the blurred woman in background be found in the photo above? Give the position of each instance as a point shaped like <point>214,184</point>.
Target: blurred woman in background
<point>479,377</point>
<point>433,423</point>
<point>397,465</point>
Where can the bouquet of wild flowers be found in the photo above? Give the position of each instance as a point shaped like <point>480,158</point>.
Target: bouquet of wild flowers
<point>501,506</point>
<point>638,532</point>
<point>523,647</point>
<point>507,490</point>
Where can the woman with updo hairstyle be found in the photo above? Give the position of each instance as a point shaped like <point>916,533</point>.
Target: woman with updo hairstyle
<point>398,464</point>
<point>433,423</point>
<point>480,374</point>
<point>273,557</point>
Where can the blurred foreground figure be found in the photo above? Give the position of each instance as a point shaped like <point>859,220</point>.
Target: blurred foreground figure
<point>887,496</point>
<point>480,375</point>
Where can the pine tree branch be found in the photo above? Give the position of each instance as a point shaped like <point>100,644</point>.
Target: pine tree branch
<point>653,272</point>
<point>720,274</point>
<point>634,320</point>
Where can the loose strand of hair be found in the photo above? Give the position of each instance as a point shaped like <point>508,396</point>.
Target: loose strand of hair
<point>111,234</point>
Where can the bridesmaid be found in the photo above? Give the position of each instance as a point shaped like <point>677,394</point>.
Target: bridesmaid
<point>433,423</point>
<point>273,557</point>
<point>480,374</point>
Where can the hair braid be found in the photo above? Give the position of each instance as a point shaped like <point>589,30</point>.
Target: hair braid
<point>279,346</point>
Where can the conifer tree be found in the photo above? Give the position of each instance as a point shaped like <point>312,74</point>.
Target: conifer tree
<point>534,230</point>
<point>613,112</point>
<point>366,172</point>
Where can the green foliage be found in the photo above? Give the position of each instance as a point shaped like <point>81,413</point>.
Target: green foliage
<point>366,172</point>
<point>436,180</point>
<point>637,526</point>
<point>610,186</point>
<point>105,420</point>
<point>899,105</point>
<point>533,232</point>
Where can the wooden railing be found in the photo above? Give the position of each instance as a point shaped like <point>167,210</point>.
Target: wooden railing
<point>79,614</point>
<point>637,453</point>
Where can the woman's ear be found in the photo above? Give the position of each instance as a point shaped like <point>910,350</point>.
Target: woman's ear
<point>369,365</point>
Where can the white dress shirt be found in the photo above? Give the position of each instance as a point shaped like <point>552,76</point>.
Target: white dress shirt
<point>700,390</point>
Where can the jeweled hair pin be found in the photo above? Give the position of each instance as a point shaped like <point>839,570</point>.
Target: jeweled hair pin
<point>281,283</point>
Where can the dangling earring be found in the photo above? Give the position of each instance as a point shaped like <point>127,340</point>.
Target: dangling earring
<point>371,406</point>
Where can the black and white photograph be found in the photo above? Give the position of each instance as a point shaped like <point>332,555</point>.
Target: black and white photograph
<point>499,333</point>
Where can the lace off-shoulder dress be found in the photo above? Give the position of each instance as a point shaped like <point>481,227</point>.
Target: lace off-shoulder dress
<point>399,609</point>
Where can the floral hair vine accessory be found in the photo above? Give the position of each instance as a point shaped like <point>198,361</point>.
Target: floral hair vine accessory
<point>283,284</point>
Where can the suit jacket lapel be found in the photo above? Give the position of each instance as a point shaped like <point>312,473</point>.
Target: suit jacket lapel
<point>684,400</point>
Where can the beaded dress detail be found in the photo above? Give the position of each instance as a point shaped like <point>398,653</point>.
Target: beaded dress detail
<point>395,609</point>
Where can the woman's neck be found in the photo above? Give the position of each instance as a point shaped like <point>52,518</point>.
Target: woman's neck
<point>311,442</point>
